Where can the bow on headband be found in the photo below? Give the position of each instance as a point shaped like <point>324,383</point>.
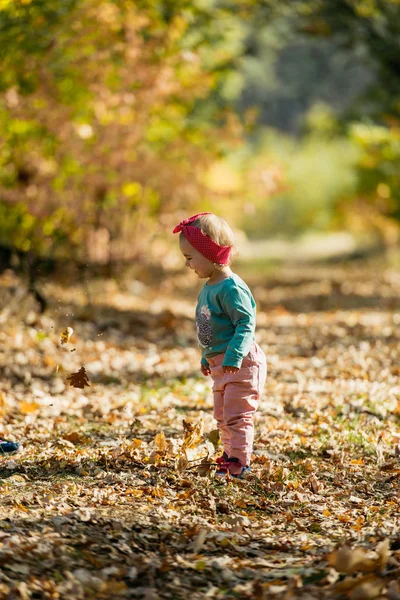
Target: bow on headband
<point>204,244</point>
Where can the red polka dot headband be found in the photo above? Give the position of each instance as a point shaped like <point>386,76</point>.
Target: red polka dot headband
<point>204,244</point>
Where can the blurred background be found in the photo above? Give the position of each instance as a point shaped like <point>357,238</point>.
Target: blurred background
<point>119,118</point>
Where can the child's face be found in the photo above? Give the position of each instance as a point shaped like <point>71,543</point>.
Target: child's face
<point>195,260</point>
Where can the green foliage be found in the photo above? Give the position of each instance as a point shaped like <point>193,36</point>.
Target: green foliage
<point>294,185</point>
<point>287,71</point>
<point>21,47</point>
<point>377,171</point>
<point>112,113</point>
<point>345,53</point>
<point>115,110</point>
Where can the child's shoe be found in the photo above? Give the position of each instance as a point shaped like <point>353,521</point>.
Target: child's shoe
<point>221,459</point>
<point>234,467</point>
<point>7,448</point>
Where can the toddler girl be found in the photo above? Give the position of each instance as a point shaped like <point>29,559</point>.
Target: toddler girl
<point>225,319</point>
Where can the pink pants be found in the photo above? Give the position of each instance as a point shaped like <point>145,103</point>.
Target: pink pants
<point>236,398</point>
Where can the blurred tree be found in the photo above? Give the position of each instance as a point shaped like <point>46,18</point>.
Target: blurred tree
<point>373,25</point>
<point>109,113</point>
<point>346,53</point>
<point>286,71</point>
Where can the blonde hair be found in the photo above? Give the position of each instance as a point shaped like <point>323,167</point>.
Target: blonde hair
<point>218,230</point>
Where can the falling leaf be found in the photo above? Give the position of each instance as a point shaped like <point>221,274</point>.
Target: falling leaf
<point>79,379</point>
<point>65,336</point>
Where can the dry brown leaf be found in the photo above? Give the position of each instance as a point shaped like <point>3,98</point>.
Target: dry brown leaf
<point>199,540</point>
<point>160,442</point>
<point>393,591</point>
<point>214,437</point>
<point>368,589</point>
<point>79,379</point>
<point>193,434</point>
<point>182,463</point>
<point>205,467</point>
<point>75,437</point>
<point>350,560</point>
<point>383,552</point>
<point>315,485</point>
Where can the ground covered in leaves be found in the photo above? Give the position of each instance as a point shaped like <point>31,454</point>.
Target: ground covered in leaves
<point>113,495</point>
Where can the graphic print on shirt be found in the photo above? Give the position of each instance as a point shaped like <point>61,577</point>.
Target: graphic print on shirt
<point>203,325</point>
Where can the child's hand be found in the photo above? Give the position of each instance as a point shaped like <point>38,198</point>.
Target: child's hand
<point>205,369</point>
<point>227,369</point>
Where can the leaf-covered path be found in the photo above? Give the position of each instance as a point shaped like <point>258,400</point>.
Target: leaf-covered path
<point>106,499</point>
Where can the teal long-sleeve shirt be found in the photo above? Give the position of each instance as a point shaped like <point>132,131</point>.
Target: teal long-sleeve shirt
<point>226,320</point>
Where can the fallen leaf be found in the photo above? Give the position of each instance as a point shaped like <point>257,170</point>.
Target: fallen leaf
<point>193,434</point>
<point>2,403</point>
<point>367,590</point>
<point>214,437</point>
<point>199,540</point>
<point>160,442</point>
<point>27,408</point>
<point>315,485</point>
<point>350,560</point>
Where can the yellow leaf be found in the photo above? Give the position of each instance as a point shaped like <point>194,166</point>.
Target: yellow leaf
<point>28,407</point>
<point>133,492</point>
<point>200,565</point>
<point>136,442</point>
<point>344,518</point>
